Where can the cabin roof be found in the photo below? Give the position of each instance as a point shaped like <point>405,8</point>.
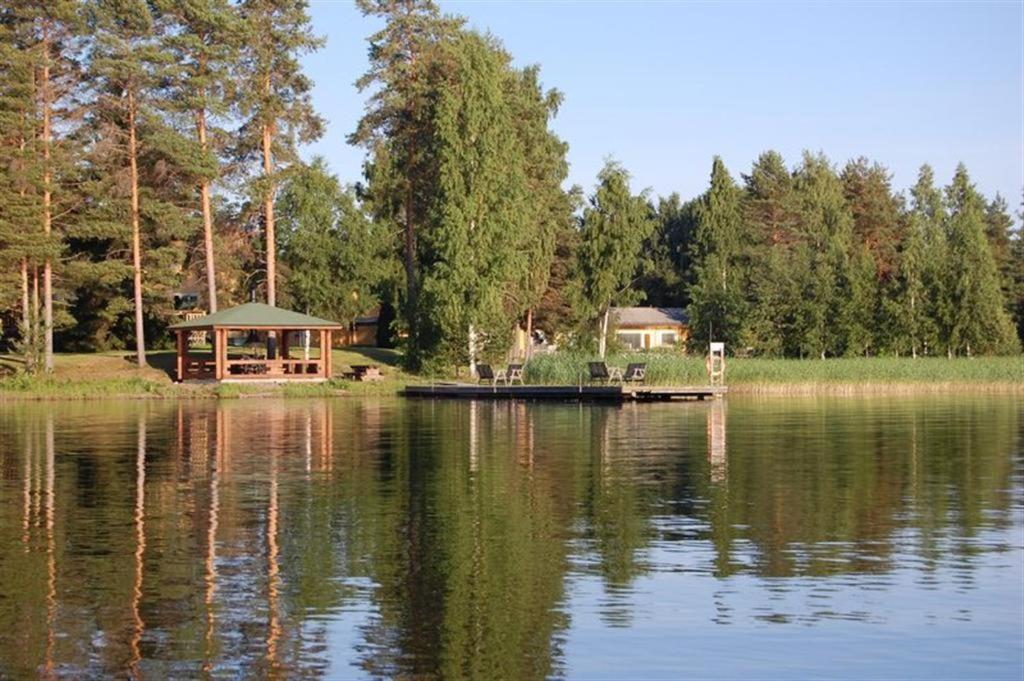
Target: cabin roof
<point>255,316</point>
<point>639,317</point>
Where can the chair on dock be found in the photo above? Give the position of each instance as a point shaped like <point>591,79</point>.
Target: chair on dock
<point>600,371</point>
<point>514,373</point>
<point>486,374</point>
<point>635,373</point>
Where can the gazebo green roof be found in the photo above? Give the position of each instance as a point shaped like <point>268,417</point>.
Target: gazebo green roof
<point>257,316</point>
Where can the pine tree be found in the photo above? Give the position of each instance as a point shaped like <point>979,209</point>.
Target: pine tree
<point>133,152</point>
<point>876,212</point>
<point>21,247</point>
<point>275,102</point>
<point>397,127</point>
<point>204,37</point>
<point>47,37</point>
<point>121,67</point>
<point>980,323</point>
<point>614,226</point>
<point>717,308</point>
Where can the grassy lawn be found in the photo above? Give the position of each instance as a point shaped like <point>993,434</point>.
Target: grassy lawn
<point>114,374</point>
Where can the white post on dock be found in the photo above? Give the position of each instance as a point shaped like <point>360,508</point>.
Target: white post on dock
<point>716,363</point>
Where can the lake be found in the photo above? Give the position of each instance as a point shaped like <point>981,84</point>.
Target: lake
<point>378,538</point>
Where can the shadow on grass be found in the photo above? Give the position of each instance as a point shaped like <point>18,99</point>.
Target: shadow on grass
<point>165,361</point>
<point>386,356</point>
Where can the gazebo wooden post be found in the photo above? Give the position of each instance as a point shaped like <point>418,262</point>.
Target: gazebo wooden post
<point>327,335</point>
<point>182,349</point>
<point>218,347</point>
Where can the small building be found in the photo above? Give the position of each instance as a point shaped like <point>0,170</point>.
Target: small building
<point>362,331</point>
<point>644,328</point>
<point>255,342</point>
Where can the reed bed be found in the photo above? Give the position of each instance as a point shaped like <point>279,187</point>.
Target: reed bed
<point>839,375</point>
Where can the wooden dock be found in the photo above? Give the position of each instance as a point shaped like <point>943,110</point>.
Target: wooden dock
<point>565,393</point>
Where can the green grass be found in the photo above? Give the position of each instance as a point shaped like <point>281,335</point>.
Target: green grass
<point>773,374</point>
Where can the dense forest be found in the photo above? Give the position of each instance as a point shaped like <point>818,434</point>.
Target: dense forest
<point>150,148</point>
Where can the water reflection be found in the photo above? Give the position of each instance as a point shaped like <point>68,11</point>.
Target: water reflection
<point>382,538</point>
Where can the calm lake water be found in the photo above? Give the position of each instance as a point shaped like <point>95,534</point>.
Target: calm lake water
<point>344,538</point>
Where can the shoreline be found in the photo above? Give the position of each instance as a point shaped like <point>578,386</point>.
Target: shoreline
<point>91,390</point>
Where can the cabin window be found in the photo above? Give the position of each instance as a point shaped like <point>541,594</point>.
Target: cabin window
<point>634,340</point>
<point>669,338</point>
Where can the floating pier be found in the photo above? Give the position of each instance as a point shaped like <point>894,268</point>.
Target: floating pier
<point>565,393</point>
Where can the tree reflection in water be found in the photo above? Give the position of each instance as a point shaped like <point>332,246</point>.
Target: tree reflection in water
<point>469,539</point>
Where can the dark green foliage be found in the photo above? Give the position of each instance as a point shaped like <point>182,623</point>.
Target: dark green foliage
<point>613,229</point>
<point>335,255</point>
<point>718,310</point>
<point>978,320</point>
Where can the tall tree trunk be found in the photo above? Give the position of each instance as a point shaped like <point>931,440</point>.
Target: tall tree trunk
<point>26,320</point>
<point>410,258</point>
<point>602,340</point>
<point>472,351</point>
<point>529,333</point>
<point>268,207</point>
<point>34,334</point>
<point>47,206</point>
<point>204,197</point>
<point>140,340</point>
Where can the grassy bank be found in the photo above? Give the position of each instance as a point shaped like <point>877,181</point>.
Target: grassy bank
<point>114,375</point>
<point>842,375</point>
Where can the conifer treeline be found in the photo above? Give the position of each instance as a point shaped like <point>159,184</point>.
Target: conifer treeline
<point>816,263</point>
<point>149,147</point>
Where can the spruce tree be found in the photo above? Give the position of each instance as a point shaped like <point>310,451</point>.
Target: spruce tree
<point>771,215</point>
<point>827,310</point>
<point>275,103</point>
<point>613,228</point>
<point>717,308</point>
<point>999,232</point>
<point>929,216</point>
<point>980,323</point>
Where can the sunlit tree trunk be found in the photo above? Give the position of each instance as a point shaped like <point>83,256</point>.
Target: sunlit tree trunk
<point>47,138</point>
<point>602,340</point>
<point>140,340</point>
<point>268,208</point>
<point>204,197</point>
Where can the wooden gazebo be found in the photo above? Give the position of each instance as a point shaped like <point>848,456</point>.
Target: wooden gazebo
<point>254,342</point>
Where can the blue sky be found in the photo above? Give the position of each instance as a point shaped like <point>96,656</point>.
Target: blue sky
<point>664,86</point>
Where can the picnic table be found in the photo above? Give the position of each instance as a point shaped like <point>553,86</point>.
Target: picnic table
<point>365,372</point>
